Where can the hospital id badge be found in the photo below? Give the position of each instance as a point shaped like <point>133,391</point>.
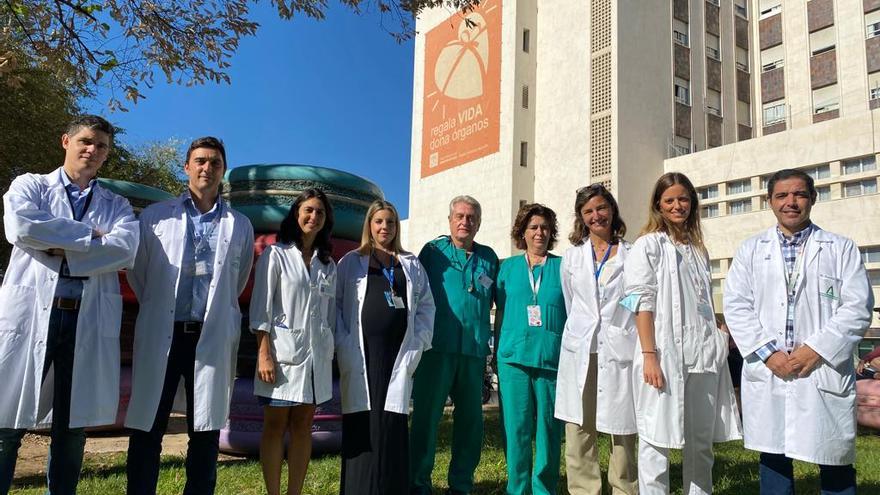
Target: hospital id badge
<point>324,289</point>
<point>534,313</point>
<point>202,269</point>
<point>393,301</point>
<point>485,281</point>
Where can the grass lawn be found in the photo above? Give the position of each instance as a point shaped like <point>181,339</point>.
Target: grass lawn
<point>736,470</point>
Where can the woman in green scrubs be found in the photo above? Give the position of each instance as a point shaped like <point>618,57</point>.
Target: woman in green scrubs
<point>530,316</point>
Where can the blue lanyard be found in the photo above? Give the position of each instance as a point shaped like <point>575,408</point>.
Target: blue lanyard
<point>388,272</point>
<point>604,259</point>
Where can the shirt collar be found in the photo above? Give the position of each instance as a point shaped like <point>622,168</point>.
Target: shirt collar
<point>72,186</point>
<point>191,209</point>
<point>797,238</point>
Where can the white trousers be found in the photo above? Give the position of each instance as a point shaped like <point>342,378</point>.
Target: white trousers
<point>700,391</point>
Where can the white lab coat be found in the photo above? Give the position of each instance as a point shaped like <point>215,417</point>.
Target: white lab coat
<point>154,281</point>
<point>351,290</point>
<point>814,418</point>
<point>37,216</point>
<point>297,308</point>
<point>596,324</point>
<point>651,276</point>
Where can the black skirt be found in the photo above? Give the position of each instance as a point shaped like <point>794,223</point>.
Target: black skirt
<point>375,443</point>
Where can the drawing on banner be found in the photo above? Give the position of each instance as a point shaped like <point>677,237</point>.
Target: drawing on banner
<point>460,110</point>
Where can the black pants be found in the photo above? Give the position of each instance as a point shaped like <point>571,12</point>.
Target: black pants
<point>144,447</point>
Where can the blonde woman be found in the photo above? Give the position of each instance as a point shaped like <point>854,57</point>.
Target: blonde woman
<point>385,320</point>
<point>683,393</point>
<point>594,386</point>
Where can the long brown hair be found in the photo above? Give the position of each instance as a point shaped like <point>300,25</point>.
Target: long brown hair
<point>691,232</point>
<point>580,231</point>
<point>367,235</point>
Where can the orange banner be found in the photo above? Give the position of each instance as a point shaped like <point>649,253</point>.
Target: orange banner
<point>461,107</point>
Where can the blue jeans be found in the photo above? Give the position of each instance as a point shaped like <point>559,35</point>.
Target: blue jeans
<point>144,447</point>
<point>66,449</point>
<point>777,477</point>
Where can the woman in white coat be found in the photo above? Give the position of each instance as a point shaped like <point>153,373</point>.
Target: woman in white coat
<point>385,320</point>
<point>594,383</point>
<point>683,393</point>
<point>292,313</point>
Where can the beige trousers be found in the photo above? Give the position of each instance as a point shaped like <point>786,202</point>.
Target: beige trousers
<point>582,453</point>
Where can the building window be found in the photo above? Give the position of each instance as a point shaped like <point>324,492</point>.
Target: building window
<point>717,285</point>
<point>522,203</point>
<point>772,58</point>
<point>859,165</point>
<point>681,145</point>
<point>525,96</point>
<point>714,2</point>
<point>773,113</point>
<point>713,102</point>
<point>742,59</point>
<point>739,186</point>
<point>682,91</point>
<point>765,182</point>
<point>826,99</point>
<point>874,93</point>
<point>765,205</point>
<point>823,193</point>
<point>872,24</point>
<point>715,266</point>
<point>770,8</point>
<point>874,277</point>
<point>822,41</point>
<point>709,211</point>
<point>859,188</point>
<point>818,172</point>
<point>526,40</point>
<point>740,7</point>
<point>712,47</point>
<point>870,254</point>
<point>680,38</point>
<point>741,206</point>
<point>708,192</point>
<point>523,154</point>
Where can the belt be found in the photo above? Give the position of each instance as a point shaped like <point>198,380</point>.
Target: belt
<point>66,304</point>
<point>188,327</point>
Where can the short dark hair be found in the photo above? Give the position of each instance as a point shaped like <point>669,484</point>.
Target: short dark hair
<point>290,231</point>
<point>791,173</point>
<point>209,142</point>
<point>93,122</point>
<point>583,195</point>
<point>526,212</point>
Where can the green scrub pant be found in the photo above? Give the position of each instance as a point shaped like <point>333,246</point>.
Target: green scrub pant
<point>460,377</point>
<point>528,397</point>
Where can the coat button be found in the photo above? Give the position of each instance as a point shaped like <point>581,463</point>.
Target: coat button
<point>678,341</point>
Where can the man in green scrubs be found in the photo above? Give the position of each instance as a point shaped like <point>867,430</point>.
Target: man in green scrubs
<point>462,276</point>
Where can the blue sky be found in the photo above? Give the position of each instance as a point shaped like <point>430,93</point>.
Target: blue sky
<point>335,93</point>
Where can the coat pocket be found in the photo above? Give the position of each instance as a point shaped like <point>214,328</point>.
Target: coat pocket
<point>829,380</point>
<point>620,344</point>
<point>18,303</point>
<point>290,345</point>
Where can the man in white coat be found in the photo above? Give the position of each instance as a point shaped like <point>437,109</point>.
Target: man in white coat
<point>60,306</point>
<point>191,267</point>
<point>797,301</point>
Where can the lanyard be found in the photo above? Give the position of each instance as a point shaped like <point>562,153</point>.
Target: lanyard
<point>199,240</point>
<point>791,278</point>
<point>604,259</point>
<point>388,272</point>
<point>534,284</point>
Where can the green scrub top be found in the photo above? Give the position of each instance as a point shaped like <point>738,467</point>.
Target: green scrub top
<point>519,343</point>
<point>464,289</point>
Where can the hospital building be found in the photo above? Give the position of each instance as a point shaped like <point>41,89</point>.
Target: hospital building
<point>522,101</point>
